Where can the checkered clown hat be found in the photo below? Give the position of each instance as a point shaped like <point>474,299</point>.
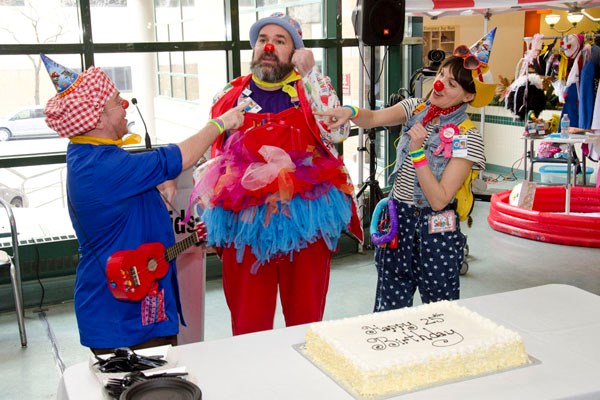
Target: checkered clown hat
<point>79,99</point>
<point>285,21</point>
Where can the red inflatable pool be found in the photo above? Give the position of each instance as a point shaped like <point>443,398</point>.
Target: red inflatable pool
<point>547,222</point>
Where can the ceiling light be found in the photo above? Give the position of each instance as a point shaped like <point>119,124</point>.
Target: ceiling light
<point>552,19</point>
<point>574,17</point>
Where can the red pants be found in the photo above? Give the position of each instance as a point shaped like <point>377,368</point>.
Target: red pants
<point>303,284</point>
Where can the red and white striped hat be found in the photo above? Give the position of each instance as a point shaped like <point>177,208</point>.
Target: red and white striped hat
<point>76,107</point>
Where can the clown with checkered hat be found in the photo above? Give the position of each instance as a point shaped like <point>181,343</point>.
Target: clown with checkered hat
<point>79,101</point>
<point>115,206</point>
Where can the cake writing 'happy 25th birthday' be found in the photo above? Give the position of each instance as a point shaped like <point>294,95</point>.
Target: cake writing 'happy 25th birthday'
<point>402,350</point>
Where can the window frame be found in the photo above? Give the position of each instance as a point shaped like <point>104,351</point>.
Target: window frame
<point>332,46</point>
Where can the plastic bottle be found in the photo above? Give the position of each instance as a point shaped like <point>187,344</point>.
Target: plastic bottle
<point>565,123</point>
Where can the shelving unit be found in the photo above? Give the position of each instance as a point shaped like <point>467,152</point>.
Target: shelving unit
<point>571,141</point>
<point>442,37</point>
<point>530,157</point>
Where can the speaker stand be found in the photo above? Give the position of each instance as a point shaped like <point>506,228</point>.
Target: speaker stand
<point>375,192</point>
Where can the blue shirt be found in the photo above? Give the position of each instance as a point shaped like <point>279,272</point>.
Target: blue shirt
<point>114,205</point>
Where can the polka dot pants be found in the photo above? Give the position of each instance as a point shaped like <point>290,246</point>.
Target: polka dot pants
<point>430,262</point>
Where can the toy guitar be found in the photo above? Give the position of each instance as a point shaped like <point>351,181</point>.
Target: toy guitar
<point>132,273</point>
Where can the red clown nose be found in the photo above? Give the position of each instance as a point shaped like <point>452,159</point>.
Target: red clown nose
<point>438,86</point>
<point>125,104</point>
<point>269,48</point>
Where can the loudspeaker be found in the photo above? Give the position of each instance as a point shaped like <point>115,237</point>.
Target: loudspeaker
<point>379,22</point>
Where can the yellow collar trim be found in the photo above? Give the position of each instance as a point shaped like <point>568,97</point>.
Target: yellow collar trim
<point>284,84</point>
<point>133,138</point>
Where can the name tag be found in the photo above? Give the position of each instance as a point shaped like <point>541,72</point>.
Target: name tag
<point>459,146</point>
<point>252,106</point>
<point>442,222</point>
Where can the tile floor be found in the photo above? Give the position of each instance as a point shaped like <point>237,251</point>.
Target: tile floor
<point>498,263</point>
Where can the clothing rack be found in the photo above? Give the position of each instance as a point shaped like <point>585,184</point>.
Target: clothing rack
<point>587,36</point>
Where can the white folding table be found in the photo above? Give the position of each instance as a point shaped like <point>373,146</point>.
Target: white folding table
<point>560,326</point>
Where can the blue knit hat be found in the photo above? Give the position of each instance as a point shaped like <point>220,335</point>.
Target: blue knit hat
<point>284,21</point>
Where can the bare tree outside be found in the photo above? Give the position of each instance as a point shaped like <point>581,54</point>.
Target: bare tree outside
<point>34,24</point>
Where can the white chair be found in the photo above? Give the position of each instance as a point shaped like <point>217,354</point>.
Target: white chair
<point>7,261</point>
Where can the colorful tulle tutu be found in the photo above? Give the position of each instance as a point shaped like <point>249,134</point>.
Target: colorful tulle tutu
<point>273,200</point>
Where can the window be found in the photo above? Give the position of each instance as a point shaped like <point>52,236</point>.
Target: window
<point>182,75</point>
<point>189,21</point>
<point>173,3</point>
<point>39,22</point>
<point>12,3</point>
<point>121,76</point>
<point>309,15</point>
<point>97,3</point>
<point>155,59</point>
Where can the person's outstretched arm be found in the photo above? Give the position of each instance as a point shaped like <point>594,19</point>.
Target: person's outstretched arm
<point>196,145</point>
<point>364,117</point>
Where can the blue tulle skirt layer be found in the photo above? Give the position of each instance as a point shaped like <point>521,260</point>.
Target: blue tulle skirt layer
<point>277,229</point>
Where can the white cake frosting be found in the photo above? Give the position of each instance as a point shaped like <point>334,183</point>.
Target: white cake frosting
<point>401,350</point>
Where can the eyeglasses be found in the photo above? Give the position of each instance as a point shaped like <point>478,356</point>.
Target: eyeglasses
<point>470,62</point>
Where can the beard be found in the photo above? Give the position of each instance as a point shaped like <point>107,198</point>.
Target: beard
<point>271,73</point>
